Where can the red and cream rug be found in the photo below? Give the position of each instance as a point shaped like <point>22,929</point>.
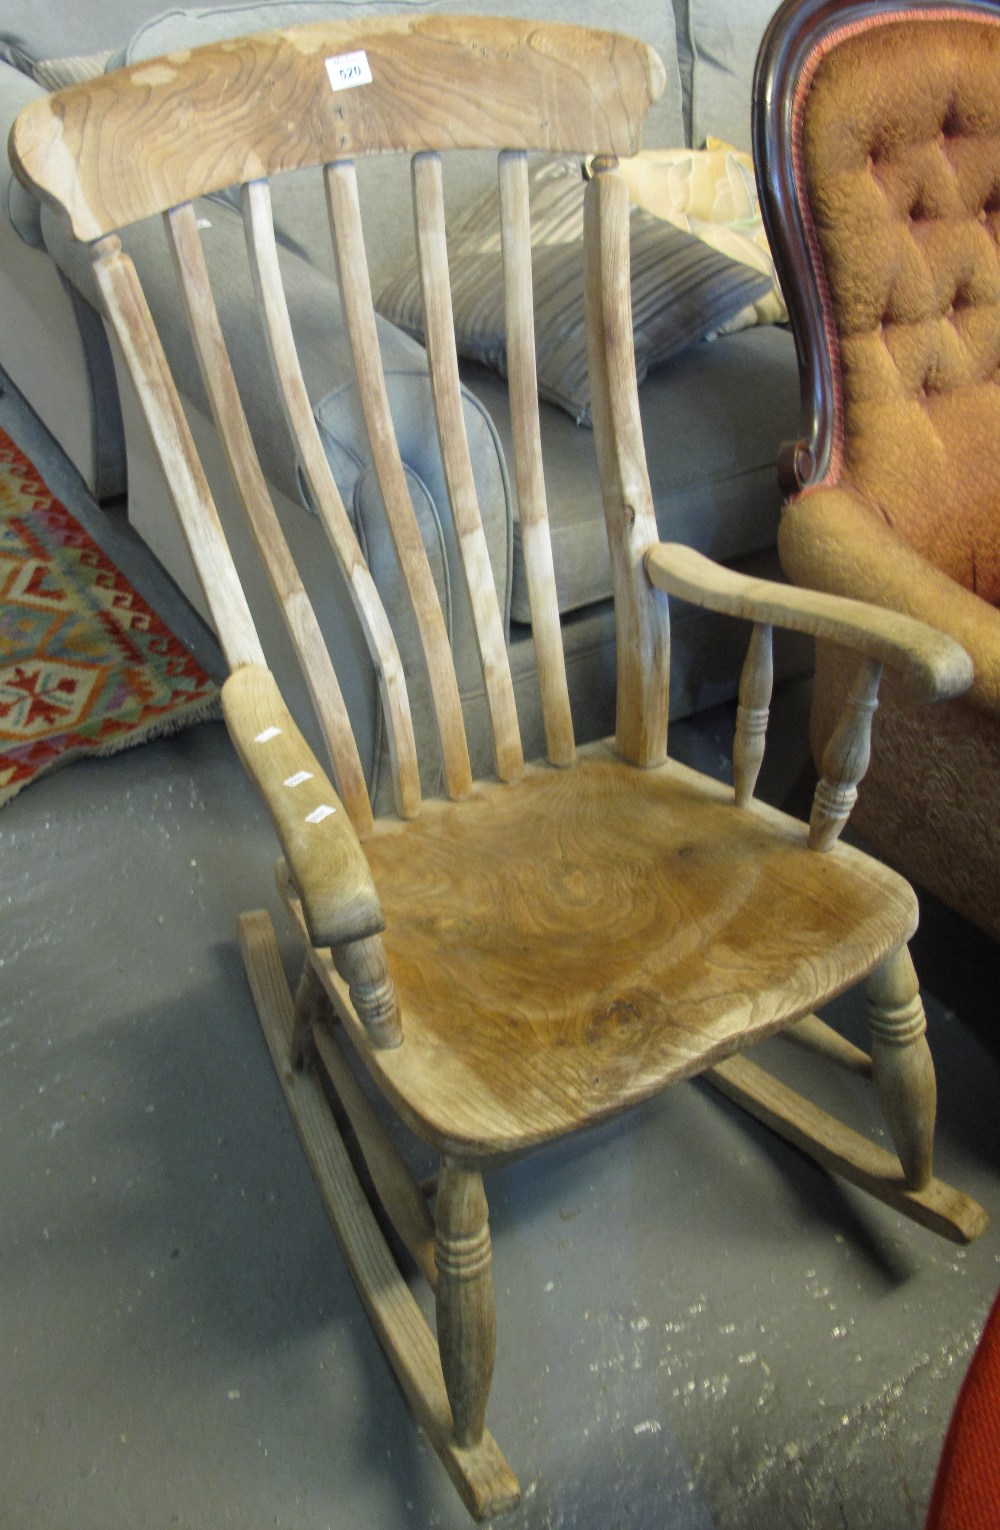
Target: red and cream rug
<point>86,667</point>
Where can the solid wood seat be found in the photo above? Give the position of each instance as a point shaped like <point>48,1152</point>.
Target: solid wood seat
<point>546,948</point>
<point>568,946</point>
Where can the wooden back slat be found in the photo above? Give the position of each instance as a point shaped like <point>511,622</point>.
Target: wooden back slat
<point>153,137</point>
<point>643,636</point>
<point>326,496</point>
<point>129,315</point>
<point>536,541</point>
<point>244,465</point>
<point>150,137</point>
<point>359,314</point>
<point>446,390</point>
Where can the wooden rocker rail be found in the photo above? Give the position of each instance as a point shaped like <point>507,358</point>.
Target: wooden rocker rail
<point>845,1152</point>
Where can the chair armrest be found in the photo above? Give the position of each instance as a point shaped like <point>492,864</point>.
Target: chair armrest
<point>830,539</point>
<point>931,666</point>
<point>323,852</point>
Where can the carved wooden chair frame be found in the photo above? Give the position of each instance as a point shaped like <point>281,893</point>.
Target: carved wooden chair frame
<point>147,140</point>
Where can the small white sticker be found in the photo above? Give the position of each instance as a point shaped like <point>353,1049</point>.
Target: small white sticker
<point>348,70</point>
<point>267,735</point>
<point>203,223</point>
<point>318,814</point>
<point>297,780</point>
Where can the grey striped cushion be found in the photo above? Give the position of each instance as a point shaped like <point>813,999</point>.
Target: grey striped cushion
<point>56,73</point>
<point>682,290</point>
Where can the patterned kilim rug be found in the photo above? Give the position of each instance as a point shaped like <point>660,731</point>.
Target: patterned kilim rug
<point>85,666</point>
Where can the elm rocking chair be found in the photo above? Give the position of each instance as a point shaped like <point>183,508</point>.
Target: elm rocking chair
<point>532,953</point>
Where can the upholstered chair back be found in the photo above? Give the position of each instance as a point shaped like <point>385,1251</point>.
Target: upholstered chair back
<point>899,169</point>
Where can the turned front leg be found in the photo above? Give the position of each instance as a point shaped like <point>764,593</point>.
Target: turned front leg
<point>466,1318</point>
<point>901,1064</point>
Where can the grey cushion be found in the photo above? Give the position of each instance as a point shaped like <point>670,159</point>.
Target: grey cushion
<point>681,289</point>
<point>718,42</point>
<point>713,422</point>
<point>19,207</point>
<point>339,418</point>
<point>56,28</point>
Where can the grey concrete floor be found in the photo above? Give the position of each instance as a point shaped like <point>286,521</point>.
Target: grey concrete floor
<point>697,1328</point>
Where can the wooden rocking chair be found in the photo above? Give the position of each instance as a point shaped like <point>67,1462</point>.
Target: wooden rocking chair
<point>538,951</point>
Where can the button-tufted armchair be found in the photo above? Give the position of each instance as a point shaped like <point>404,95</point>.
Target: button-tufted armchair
<point>877,140</point>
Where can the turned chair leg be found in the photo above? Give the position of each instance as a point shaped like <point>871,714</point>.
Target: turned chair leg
<point>901,1064</point>
<point>466,1318</point>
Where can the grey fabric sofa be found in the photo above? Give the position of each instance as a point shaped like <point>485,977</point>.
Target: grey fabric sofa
<point>713,417</point>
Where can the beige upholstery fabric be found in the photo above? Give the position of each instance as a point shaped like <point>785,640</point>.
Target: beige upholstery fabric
<point>901,149</point>
<point>900,169</point>
<point>712,193</point>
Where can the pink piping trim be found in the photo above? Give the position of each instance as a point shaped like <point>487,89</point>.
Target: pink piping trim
<point>815,58</point>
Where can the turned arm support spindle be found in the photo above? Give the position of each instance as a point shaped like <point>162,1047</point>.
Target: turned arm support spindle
<point>845,759</point>
<point>365,969</point>
<point>929,666</point>
<point>756,682</point>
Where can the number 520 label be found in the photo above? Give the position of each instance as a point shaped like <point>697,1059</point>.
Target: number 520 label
<point>348,70</point>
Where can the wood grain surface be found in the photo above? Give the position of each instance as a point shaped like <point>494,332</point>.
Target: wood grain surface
<point>568,946</point>
<point>160,132</point>
<point>532,505</point>
<point>449,414</point>
<point>641,624</point>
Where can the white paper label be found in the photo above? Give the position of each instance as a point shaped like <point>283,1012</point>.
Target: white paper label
<point>318,814</point>
<point>267,735</point>
<point>298,778</point>
<point>348,70</point>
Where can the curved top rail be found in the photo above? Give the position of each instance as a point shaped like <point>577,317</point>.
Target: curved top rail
<point>152,136</point>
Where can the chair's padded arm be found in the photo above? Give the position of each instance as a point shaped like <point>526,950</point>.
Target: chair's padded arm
<point>323,852</point>
<point>830,539</point>
<point>931,666</point>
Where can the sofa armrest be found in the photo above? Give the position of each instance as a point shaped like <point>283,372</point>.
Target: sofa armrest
<point>21,210</point>
<point>930,665</point>
<point>830,539</point>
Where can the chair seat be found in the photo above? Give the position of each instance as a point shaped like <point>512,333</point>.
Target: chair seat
<point>568,946</point>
